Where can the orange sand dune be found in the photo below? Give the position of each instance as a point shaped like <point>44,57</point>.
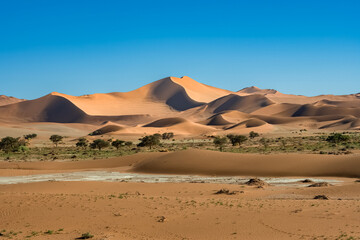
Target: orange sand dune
<point>205,162</point>
<point>217,163</point>
<point>5,100</point>
<point>179,126</point>
<point>198,105</point>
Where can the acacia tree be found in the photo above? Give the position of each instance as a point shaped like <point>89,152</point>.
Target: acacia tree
<point>337,138</point>
<point>236,139</point>
<point>167,135</point>
<point>29,137</point>
<point>10,144</point>
<point>150,141</point>
<point>220,142</point>
<point>99,144</point>
<point>118,143</point>
<point>56,139</point>
<point>82,142</point>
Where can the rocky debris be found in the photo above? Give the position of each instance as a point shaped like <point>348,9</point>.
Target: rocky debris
<point>256,182</point>
<point>307,181</point>
<point>320,184</point>
<point>227,192</point>
<point>160,219</point>
<point>321,197</point>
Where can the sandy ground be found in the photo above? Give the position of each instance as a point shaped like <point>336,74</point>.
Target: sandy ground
<point>185,210</point>
<point>191,211</point>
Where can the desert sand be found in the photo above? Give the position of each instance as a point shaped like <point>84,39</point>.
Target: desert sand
<point>133,210</point>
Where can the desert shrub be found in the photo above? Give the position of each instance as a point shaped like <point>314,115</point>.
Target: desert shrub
<point>253,134</point>
<point>264,142</point>
<point>99,144</point>
<point>56,139</point>
<point>128,143</point>
<point>30,136</point>
<point>82,142</point>
<point>220,142</point>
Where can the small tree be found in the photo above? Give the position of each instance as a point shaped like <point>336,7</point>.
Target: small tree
<point>99,144</point>
<point>150,141</point>
<point>128,143</point>
<point>253,134</point>
<point>10,144</point>
<point>236,139</point>
<point>56,139</point>
<point>118,143</point>
<point>167,135</point>
<point>337,138</point>
<point>220,142</point>
<point>82,142</point>
<point>28,137</point>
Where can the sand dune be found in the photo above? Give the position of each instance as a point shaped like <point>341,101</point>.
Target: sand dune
<point>251,123</point>
<point>246,104</point>
<point>182,102</point>
<point>256,90</point>
<point>216,163</point>
<point>166,122</point>
<point>179,126</point>
<point>311,110</point>
<point>205,162</point>
<point>216,120</point>
<point>5,100</point>
<point>198,91</point>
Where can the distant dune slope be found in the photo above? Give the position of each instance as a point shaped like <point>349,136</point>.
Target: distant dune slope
<point>246,104</point>
<point>217,163</point>
<point>5,100</point>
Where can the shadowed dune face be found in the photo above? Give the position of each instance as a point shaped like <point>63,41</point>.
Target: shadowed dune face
<point>246,104</point>
<point>184,103</point>
<point>46,109</point>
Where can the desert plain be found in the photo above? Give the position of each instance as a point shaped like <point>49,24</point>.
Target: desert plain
<point>290,181</point>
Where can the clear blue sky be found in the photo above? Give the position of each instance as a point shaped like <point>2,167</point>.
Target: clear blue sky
<point>78,47</point>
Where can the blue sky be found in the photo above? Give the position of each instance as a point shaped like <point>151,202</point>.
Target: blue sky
<point>82,47</point>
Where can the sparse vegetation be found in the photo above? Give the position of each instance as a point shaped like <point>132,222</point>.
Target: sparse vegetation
<point>220,142</point>
<point>118,143</point>
<point>29,137</point>
<point>82,142</point>
<point>167,135</point>
<point>253,134</point>
<point>338,138</point>
<point>236,139</point>
<point>16,149</point>
<point>85,236</point>
<point>99,144</point>
<point>10,144</point>
<point>56,139</point>
<point>149,141</point>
